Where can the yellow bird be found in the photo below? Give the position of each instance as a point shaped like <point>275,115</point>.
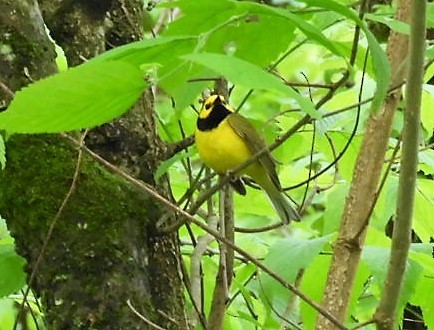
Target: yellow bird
<point>226,140</point>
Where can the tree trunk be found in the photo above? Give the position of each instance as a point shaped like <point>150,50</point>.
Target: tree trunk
<point>103,250</point>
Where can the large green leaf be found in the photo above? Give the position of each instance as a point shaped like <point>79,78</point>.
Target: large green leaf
<point>201,16</point>
<point>162,54</point>
<point>158,50</point>
<point>249,75</point>
<point>82,97</point>
<point>286,257</point>
<point>12,276</point>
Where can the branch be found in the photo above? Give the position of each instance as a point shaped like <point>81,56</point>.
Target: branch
<point>401,238</point>
<point>148,189</point>
<point>362,195</point>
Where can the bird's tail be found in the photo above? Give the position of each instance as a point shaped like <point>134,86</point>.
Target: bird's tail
<point>282,204</point>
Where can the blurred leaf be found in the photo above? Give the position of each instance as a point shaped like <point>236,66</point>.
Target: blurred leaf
<point>235,28</point>
<point>395,25</point>
<point>385,207</point>
<point>426,161</point>
<point>423,209</point>
<point>164,166</point>
<point>377,260</point>
<point>379,58</point>
<point>82,97</point>
<point>430,15</point>
<point>7,314</point>
<point>12,276</point>
<point>334,208</point>
<point>423,299</point>
<point>427,108</point>
<point>200,16</point>
<point>286,257</point>
<point>2,153</point>
<point>313,284</point>
<point>156,50</point>
<point>425,286</point>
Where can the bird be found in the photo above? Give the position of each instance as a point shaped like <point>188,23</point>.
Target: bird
<point>226,139</point>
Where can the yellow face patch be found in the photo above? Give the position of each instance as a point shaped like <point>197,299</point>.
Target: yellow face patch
<point>208,105</point>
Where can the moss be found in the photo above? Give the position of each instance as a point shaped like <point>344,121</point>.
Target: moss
<point>96,257</point>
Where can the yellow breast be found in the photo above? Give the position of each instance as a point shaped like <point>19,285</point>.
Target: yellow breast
<point>222,149</point>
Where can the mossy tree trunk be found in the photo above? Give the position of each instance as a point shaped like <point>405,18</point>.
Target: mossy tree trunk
<point>103,250</point>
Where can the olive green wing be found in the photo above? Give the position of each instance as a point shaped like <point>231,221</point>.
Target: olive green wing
<point>255,143</point>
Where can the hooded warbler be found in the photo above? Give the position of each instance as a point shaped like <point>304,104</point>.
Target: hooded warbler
<point>225,140</point>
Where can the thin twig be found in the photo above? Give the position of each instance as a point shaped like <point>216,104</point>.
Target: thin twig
<point>144,319</point>
<point>151,191</point>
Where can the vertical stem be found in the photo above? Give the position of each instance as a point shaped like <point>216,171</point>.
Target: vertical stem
<point>225,270</point>
<point>401,238</point>
<point>361,198</point>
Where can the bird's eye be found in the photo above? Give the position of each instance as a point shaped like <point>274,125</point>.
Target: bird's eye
<point>207,106</point>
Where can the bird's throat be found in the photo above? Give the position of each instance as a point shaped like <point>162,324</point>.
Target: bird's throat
<point>216,116</point>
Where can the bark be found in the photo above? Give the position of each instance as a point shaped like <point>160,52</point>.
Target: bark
<point>362,195</point>
<point>103,250</point>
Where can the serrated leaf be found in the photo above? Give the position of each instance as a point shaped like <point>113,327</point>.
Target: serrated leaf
<point>249,75</point>
<point>82,97</point>
<point>12,276</point>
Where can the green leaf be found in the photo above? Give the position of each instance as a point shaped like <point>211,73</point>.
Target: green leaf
<point>379,58</point>
<point>286,257</point>
<point>249,75</point>
<point>423,208</point>
<point>430,15</point>
<point>200,16</point>
<point>311,31</point>
<point>425,286</point>
<point>82,97</point>
<point>12,276</point>
<point>377,260</point>
<point>427,106</point>
<point>423,299</point>
<point>394,24</point>
<point>156,50</point>
<point>334,208</point>
<point>313,284</point>
<point>426,161</point>
<point>165,165</point>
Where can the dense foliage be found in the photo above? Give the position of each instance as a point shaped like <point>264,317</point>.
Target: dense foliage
<point>282,64</point>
